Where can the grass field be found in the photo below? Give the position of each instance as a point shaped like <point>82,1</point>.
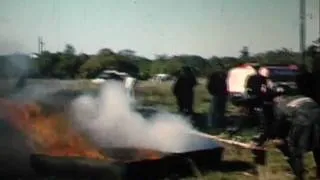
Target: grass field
<point>276,169</point>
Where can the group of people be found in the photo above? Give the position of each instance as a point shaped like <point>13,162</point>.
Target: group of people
<point>183,90</point>
<point>289,117</point>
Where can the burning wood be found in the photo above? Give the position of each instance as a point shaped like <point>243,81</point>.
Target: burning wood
<point>52,135</point>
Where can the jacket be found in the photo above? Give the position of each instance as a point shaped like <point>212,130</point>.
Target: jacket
<point>217,84</point>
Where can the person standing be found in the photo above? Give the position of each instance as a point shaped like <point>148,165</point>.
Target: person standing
<point>258,87</point>
<point>315,54</point>
<point>304,81</point>
<point>183,90</point>
<point>254,86</point>
<point>129,84</point>
<point>217,87</point>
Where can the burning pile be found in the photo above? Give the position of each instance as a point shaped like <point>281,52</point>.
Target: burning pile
<point>60,150</point>
<point>52,135</point>
<point>48,134</point>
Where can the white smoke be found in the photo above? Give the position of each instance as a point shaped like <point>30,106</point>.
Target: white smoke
<point>35,92</point>
<point>111,121</point>
<point>16,69</point>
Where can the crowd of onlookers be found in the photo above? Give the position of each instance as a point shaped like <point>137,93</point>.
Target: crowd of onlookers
<point>183,90</point>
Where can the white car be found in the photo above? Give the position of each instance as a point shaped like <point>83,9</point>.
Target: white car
<point>107,75</point>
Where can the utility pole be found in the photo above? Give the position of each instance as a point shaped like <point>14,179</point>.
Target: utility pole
<point>40,45</point>
<point>302,29</point>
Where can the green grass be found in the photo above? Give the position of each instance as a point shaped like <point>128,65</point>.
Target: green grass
<point>276,169</point>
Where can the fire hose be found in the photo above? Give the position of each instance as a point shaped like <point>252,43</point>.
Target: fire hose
<point>259,153</point>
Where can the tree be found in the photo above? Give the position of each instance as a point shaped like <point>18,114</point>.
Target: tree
<point>69,50</point>
<point>47,63</point>
<point>105,52</point>
<point>90,68</point>
<point>68,65</point>
<point>244,53</point>
<point>127,52</point>
<point>162,57</point>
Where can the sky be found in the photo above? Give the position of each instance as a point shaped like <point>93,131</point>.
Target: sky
<point>150,27</point>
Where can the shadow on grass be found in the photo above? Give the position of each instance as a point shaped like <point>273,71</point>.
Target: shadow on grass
<point>180,167</point>
<point>233,166</point>
<point>170,167</point>
<point>243,123</point>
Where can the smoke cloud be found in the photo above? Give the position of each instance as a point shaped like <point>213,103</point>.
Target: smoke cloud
<point>111,121</point>
<point>13,67</point>
<point>14,145</point>
<point>14,82</point>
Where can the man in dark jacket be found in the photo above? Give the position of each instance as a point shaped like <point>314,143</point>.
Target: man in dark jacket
<point>304,81</point>
<point>297,124</point>
<point>217,87</point>
<point>315,54</point>
<point>259,103</point>
<point>255,86</point>
<point>183,90</point>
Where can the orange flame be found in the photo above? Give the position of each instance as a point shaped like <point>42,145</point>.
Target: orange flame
<point>50,134</point>
<point>150,154</point>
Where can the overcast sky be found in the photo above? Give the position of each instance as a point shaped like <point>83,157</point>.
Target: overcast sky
<point>203,27</point>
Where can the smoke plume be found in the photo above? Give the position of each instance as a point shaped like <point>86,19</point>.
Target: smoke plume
<point>15,150</point>
<point>111,121</point>
<point>14,82</point>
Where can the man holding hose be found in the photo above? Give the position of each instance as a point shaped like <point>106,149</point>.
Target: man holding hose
<point>297,125</point>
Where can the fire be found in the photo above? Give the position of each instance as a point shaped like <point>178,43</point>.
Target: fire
<point>151,155</point>
<point>49,134</point>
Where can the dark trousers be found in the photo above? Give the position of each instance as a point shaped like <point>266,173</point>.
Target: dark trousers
<point>297,144</point>
<point>316,156</point>
<point>185,104</point>
<point>217,111</point>
<point>266,117</point>
<point>263,115</point>
<point>255,112</point>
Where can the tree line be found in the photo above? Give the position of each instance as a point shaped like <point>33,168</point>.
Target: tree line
<point>69,64</point>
